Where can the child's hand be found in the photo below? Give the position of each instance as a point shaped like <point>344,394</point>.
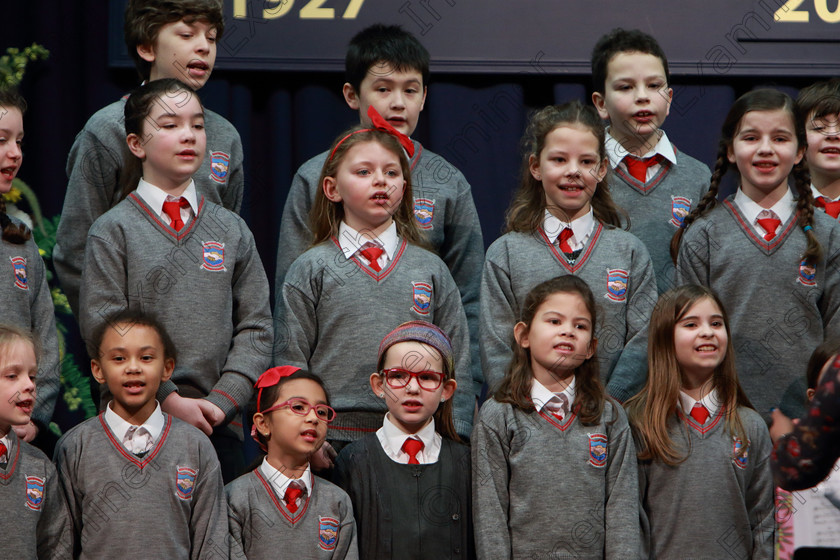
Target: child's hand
<point>782,425</point>
<point>322,459</point>
<point>188,410</point>
<point>27,432</point>
<point>212,413</point>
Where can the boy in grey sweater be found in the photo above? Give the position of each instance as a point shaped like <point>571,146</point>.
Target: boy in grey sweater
<point>154,35</point>
<point>138,480</point>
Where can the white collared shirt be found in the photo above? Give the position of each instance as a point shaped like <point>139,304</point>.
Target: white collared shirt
<point>351,241</point>
<point>155,197</point>
<point>581,228</point>
<point>784,208</point>
<point>616,153</point>
<point>279,481</point>
<point>541,396</point>
<point>5,441</point>
<point>711,401</point>
<point>392,437</point>
<point>153,424</point>
<point>818,194</point>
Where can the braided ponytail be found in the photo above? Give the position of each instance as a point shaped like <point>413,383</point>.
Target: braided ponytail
<point>707,202</point>
<point>805,210</point>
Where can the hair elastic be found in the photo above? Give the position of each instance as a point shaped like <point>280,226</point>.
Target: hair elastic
<point>806,229</point>
<point>379,124</point>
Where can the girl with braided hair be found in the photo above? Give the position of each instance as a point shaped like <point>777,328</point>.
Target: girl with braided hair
<point>772,260</point>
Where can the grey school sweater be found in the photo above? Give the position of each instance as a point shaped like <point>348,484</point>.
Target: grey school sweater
<point>205,283</point>
<point>615,265</point>
<point>26,302</point>
<point>96,158</point>
<point>656,208</point>
<point>444,210</point>
<point>36,521</point>
<point>545,489</point>
<point>335,312</point>
<point>168,504</point>
<point>713,505</point>
<point>262,527</point>
<point>409,512</point>
<point>778,311</point>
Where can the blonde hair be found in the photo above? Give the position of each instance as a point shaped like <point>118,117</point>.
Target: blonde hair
<point>650,410</point>
<point>10,334</point>
<point>326,215</point>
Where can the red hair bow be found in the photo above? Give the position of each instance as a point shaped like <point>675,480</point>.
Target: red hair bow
<point>272,377</point>
<point>380,124</point>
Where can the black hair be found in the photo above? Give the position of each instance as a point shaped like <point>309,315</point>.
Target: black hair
<point>390,44</point>
<point>620,41</point>
<point>132,318</point>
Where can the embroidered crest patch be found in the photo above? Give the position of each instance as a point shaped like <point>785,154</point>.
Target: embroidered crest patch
<point>422,297</point>
<point>185,482</point>
<point>617,284</point>
<point>740,462</point>
<point>19,266</point>
<point>219,166</point>
<point>327,533</point>
<point>424,212</point>
<point>807,274</point>
<point>34,492</point>
<point>680,208</point>
<point>214,256</point>
<point>597,450</point>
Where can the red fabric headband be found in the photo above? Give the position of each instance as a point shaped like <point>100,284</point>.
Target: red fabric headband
<point>272,377</point>
<point>380,124</point>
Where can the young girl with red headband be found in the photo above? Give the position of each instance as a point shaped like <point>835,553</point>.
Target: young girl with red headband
<point>367,272</point>
<point>280,505</point>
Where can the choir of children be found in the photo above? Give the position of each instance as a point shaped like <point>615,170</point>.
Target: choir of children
<point>373,255</point>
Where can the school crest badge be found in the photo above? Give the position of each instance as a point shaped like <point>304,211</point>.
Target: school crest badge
<point>740,461</point>
<point>327,533</point>
<point>422,297</point>
<point>424,212</point>
<point>680,207</point>
<point>807,274</point>
<point>34,492</point>
<point>597,450</point>
<point>617,284</point>
<point>214,256</point>
<point>19,267</point>
<point>219,166</point>
<point>185,482</point>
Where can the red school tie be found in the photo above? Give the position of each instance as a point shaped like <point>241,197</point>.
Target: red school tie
<point>700,413</point>
<point>769,225</point>
<point>564,237</point>
<point>372,254</point>
<point>293,492</point>
<point>832,207</point>
<point>637,167</point>
<point>412,447</point>
<point>3,451</point>
<point>172,208</point>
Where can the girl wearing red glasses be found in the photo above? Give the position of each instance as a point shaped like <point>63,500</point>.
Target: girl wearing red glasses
<point>280,506</point>
<point>410,481</point>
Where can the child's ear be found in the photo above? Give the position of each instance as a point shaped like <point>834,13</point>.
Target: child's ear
<point>146,52</point>
<point>423,101</point>
<point>593,347</point>
<point>376,385</point>
<point>810,393</point>
<point>168,368</point>
<point>669,92</point>
<point>602,170</point>
<point>96,370</point>
<point>350,96</point>
<point>730,153</point>
<point>261,425</point>
<point>600,105</point>
<point>330,187</point>
<point>135,146</point>
<point>534,166</point>
<point>800,153</point>
<point>520,333</point>
<point>449,387</point>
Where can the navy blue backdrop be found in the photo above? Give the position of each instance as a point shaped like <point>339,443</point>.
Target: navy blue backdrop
<point>284,118</point>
